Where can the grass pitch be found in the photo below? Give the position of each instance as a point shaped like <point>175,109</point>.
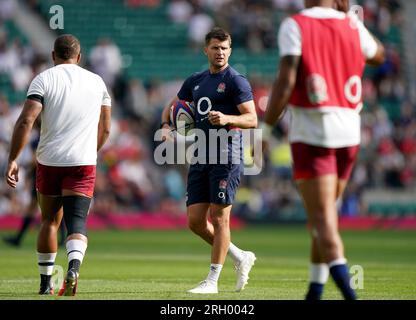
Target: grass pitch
<point>164,264</point>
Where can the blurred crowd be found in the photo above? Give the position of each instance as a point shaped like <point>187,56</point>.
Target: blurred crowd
<point>251,22</point>
<point>128,178</point>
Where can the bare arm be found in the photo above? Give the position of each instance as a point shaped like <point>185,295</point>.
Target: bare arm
<point>23,127</point>
<point>378,59</point>
<point>246,120</point>
<point>104,126</point>
<point>21,135</point>
<point>380,56</point>
<point>342,5</point>
<point>166,111</point>
<point>282,89</point>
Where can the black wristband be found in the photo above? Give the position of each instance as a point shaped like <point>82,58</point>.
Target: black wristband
<point>163,123</point>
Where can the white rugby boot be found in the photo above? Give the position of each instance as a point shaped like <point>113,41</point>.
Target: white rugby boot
<point>205,287</point>
<point>243,268</point>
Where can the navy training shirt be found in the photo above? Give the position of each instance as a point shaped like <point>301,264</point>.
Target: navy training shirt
<point>223,92</point>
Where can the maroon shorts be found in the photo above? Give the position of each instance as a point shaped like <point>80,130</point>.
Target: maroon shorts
<point>50,181</point>
<point>312,161</point>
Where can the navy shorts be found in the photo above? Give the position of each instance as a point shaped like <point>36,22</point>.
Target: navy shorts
<point>213,183</point>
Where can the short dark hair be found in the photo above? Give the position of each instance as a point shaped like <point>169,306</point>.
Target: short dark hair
<point>66,47</point>
<point>219,34</point>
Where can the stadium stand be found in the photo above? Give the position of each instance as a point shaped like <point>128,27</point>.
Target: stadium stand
<point>152,45</point>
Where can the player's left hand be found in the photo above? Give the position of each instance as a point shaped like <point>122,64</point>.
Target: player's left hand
<point>218,118</point>
<point>12,174</point>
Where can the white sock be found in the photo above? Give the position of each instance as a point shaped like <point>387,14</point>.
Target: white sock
<point>214,272</point>
<point>46,262</point>
<point>235,253</point>
<point>75,249</point>
<point>337,262</point>
<point>318,273</point>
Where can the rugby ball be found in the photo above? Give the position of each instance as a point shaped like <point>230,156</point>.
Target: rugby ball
<point>182,117</point>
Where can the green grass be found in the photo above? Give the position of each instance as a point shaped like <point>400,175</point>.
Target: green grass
<point>164,264</point>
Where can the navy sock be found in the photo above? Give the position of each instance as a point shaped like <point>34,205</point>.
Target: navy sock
<point>342,279</point>
<point>74,264</point>
<point>315,291</point>
<point>45,281</point>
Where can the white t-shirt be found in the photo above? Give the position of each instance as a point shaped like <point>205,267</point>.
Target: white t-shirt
<point>290,39</point>
<point>72,98</point>
<point>332,126</point>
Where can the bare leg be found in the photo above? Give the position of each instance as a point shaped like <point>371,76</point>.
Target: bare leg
<point>319,196</point>
<point>220,216</point>
<point>51,208</point>
<point>47,245</point>
<point>342,184</point>
<point>316,256</point>
<point>198,221</point>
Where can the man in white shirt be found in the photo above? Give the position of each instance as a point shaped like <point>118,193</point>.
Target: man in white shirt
<point>75,110</point>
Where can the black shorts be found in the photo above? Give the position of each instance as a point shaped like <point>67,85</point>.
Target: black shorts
<point>213,183</point>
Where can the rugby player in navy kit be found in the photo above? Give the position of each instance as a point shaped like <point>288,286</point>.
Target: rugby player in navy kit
<point>223,99</point>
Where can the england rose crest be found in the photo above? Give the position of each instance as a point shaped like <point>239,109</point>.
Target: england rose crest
<point>317,89</point>
<point>221,87</point>
<point>223,184</point>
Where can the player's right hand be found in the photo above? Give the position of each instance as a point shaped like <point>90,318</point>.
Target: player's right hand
<point>265,146</point>
<point>166,133</point>
<point>12,174</point>
<point>258,158</point>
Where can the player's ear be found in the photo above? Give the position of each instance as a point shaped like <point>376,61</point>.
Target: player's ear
<point>205,50</point>
<point>79,57</point>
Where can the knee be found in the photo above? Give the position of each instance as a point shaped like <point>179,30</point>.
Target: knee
<point>325,230</point>
<point>196,226</point>
<point>329,240</point>
<point>50,222</point>
<point>323,218</point>
<point>220,221</point>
